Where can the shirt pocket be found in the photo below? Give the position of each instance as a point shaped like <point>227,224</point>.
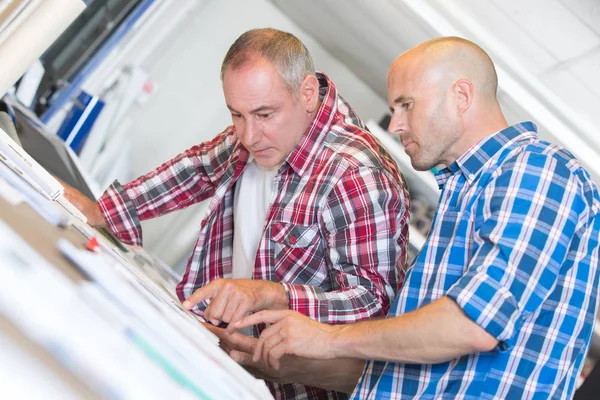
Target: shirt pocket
<point>294,236</point>
<point>299,254</point>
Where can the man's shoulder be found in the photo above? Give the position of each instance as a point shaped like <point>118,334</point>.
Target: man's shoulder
<point>222,143</point>
<point>358,147</point>
<point>539,159</point>
<point>543,155</point>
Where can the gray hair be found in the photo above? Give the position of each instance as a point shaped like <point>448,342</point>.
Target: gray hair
<point>283,50</point>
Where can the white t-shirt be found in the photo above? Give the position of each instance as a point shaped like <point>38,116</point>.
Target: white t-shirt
<point>250,205</point>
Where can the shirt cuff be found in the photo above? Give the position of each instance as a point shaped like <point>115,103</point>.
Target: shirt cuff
<point>120,214</point>
<point>304,299</point>
<point>492,306</point>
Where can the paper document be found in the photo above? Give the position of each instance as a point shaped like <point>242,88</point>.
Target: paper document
<point>8,193</point>
<point>56,313</point>
<point>165,332</point>
<point>16,158</point>
<point>45,207</point>
<point>70,208</point>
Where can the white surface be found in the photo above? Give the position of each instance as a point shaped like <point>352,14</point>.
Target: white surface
<point>18,159</point>
<point>415,238</point>
<point>29,83</point>
<point>33,35</point>
<point>45,207</point>
<point>9,193</point>
<point>18,370</point>
<point>116,332</point>
<point>549,22</point>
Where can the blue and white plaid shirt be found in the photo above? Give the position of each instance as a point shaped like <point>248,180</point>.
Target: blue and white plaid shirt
<point>515,244</point>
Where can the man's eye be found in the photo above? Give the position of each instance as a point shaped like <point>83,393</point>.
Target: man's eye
<point>406,106</point>
<point>236,115</point>
<point>264,116</point>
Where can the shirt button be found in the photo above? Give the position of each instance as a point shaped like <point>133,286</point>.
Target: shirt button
<point>293,239</point>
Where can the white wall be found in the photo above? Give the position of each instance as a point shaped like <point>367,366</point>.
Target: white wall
<point>189,107</point>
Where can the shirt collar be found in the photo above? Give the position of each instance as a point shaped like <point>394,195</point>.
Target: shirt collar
<point>473,160</point>
<point>303,154</point>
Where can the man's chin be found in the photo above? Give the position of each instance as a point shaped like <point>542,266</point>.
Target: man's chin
<point>266,162</point>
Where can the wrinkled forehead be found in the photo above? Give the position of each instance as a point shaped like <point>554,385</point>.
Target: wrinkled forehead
<point>255,77</point>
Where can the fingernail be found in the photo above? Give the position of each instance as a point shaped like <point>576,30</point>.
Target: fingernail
<point>186,304</point>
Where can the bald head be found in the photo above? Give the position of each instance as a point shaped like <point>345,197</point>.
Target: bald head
<point>442,95</point>
<point>443,61</point>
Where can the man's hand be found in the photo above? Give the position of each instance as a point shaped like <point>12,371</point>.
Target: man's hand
<point>240,348</point>
<point>87,207</point>
<point>232,299</point>
<point>291,334</point>
<point>340,375</point>
<point>232,342</point>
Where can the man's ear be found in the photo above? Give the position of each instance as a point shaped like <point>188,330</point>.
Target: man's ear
<point>309,92</point>
<point>463,92</point>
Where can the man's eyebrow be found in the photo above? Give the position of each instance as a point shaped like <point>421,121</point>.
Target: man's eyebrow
<point>256,110</point>
<point>260,109</point>
<point>398,100</point>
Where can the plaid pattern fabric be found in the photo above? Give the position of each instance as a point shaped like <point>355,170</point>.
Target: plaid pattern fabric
<point>336,229</point>
<point>515,243</point>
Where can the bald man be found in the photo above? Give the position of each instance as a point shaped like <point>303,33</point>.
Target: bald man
<point>500,303</point>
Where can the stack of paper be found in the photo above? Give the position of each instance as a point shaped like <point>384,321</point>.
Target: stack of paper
<point>18,160</point>
<point>117,334</point>
<point>15,189</point>
<point>31,175</point>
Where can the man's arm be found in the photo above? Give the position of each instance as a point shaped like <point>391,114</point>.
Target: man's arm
<point>366,228</point>
<point>339,375</point>
<point>435,333</point>
<point>182,181</point>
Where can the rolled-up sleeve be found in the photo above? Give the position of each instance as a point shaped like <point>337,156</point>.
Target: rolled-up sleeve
<point>527,217</point>
<point>180,182</point>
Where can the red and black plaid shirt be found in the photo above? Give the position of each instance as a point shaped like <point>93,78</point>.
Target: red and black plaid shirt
<point>336,233</point>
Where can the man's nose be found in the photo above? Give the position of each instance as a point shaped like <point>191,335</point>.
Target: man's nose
<point>398,124</point>
<point>251,134</point>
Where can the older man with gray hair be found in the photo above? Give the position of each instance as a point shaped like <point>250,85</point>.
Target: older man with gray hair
<point>308,211</point>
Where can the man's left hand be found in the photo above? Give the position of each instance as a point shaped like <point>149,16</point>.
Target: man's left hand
<point>232,299</point>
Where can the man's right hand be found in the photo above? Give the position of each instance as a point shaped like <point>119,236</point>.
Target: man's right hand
<point>290,333</point>
<point>89,208</point>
